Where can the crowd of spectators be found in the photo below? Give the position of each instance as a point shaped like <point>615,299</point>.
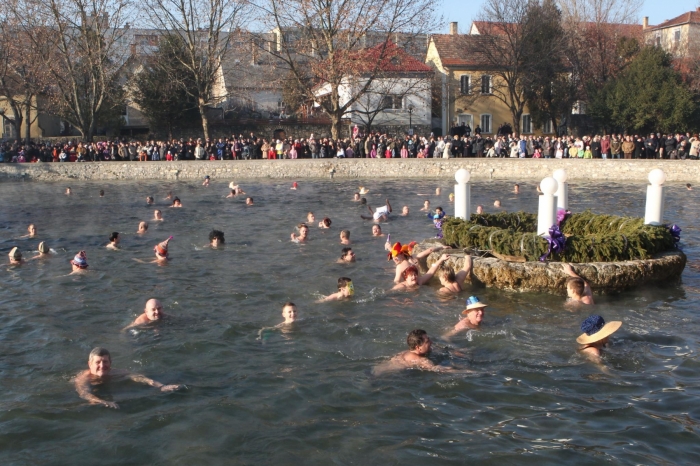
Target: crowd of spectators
<point>373,145</point>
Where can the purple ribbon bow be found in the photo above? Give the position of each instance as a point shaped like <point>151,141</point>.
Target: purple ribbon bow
<point>675,232</point>
<point>556,242</point>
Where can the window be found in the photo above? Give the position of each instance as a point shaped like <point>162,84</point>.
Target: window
<point>486,123</point>
<point>547,127</point>
<point>677,35</point>
<point>392,102</point>
<point>280,105</point>
<point>579,108</point>
<point>658,39</point>
<point>465,84</point>
<point>486,84</point>
<point>526,124</point>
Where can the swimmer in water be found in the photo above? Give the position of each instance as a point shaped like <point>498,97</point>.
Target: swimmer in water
<point>32,232</point>
<point>100,371</point>
<point>169,196</point>
<point>479,209</point>
<point>177,203</point>
<point>157,215</point>
<point>345,290</point>
<point>102,193</point>
<point>345,237</point>
<point>44,251</point>
<point>497,204</point>
<point>595,336</point>
<point>143,228</point>
<point>216,239</point>
<point>474,315</point>
<point>451,197</point>
<point>377,230</point>
<point>411,279</point>
<point>15,256</point>
<point>426,206</point>
<point>403,257</point>
<point>363,190</point>
<point>295,185</point>
<point>151,313</point>
<point>379,215</point>
<point>79,263</point>
<point>149,200</point>
<point>452,282</point>
<point>289,313</point>
<point>356,197</point>
<point>68,192</point>
<point>577,289</point>
<point>405,211</point>
<point>363,202</point>
<point>113,241</point>
<point>303,233</point>
<point>325,223</point>
<point>437,191</point>
<point>161,252</point>
<point>419,348</point>
<point>688,187</point>
<point>310,217</point>
<point>516,188</point>
<point>206,181</point>
<point>249,201</point>
<point>346,256</point>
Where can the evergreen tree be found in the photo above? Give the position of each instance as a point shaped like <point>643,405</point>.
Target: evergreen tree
<point>648,96</point>
<point>162,90</point>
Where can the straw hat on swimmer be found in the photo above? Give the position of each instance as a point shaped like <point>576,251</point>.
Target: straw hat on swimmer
<point>595,329</point>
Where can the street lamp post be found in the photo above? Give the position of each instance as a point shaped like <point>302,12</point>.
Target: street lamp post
<point>410,120</point>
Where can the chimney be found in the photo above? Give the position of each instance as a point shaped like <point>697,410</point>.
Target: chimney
<point>453,28</point>
<point>645,22</point>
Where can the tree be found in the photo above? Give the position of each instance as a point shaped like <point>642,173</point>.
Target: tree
<point>77,43</point>
<point>321,42</point>
<point>205,28</point>
<point>648,96</point>
<point>160,89</point>
<point>514,48</point>
<point>22,78</point>
<point>552,89</point>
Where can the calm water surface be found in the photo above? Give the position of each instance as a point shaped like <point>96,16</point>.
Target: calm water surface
<point>307,396</point>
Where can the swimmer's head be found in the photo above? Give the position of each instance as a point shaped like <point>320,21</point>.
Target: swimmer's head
<point>575,287</point>
<point>452,196</point>
<point>44,248</point>
<point>404,210</point>
<point>177,202</point>
<point>114,237</point>
<point>347,255</point>
<point>497,203</point>
<point>157,214</point>
<point>289,312</point>
<point>249,201</point>
<point>149,200</point>
<point>99,361</point>
<point>31,229</point>
<point>479,209</point>
<point>426,204</point>
<point>80,260</point>
<point>15,255</point>
<point>346,286</point>
<point>102,193</point>
<point>356,196</point>
<point>418,338</point>
<point>447,275</point>
<point>376,230</point>
<point>216,238</point>
<point>161,249</point>
<point>68,191</point>
<point>143,226</point>
<point>344,234</point>
<point>310,217</point>
<point>153,309</point>
<point>410,275</point>
<point>326,222</point>
<point>363,201</point>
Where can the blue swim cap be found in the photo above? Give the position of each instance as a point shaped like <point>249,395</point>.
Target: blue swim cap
<point>472,300</point>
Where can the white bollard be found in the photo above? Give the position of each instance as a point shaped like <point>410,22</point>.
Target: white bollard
<point>462,195</point>
<point>547,212</point>
<point>654,212</point>
<point>563,189</point>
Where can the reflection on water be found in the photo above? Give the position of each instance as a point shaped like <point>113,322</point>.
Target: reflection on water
<point>306,394</point>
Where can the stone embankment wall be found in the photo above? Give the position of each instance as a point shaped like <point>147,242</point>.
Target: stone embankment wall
<point>481,169</point>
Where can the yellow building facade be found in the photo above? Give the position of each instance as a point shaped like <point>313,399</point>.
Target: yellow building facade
<point>464,88</point>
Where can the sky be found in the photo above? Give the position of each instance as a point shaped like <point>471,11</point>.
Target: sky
<point>465,11</point>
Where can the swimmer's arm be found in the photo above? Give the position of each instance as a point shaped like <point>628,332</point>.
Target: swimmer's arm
<point>143,379</point>
<point>82,386</point>
<point>429,251</point>
<point>397,276</point>
<point>388,205</point>
<point>331,297</point>
<point>466,269</point>
<point>425,278</point>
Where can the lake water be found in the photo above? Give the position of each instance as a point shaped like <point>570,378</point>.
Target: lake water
<point>307,396</point>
